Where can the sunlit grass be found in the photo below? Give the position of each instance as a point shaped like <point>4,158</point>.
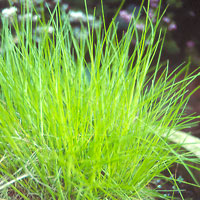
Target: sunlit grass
<point>83,119</point>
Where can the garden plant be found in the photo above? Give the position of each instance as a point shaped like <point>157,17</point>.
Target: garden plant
<point>86,118</point>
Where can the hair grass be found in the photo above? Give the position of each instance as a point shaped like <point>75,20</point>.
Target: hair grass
<point>84,119</point>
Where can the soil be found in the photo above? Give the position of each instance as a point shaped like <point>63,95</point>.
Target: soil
<point>168,188</point>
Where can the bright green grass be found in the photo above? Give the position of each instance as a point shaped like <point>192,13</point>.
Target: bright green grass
<point>86,127</point>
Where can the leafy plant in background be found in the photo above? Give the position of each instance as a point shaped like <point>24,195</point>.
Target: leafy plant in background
<point>83,119</point>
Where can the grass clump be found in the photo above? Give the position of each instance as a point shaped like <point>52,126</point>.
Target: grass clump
<point>83,119</point>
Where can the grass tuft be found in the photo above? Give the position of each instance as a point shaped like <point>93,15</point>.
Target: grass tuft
<point>84,119</point>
